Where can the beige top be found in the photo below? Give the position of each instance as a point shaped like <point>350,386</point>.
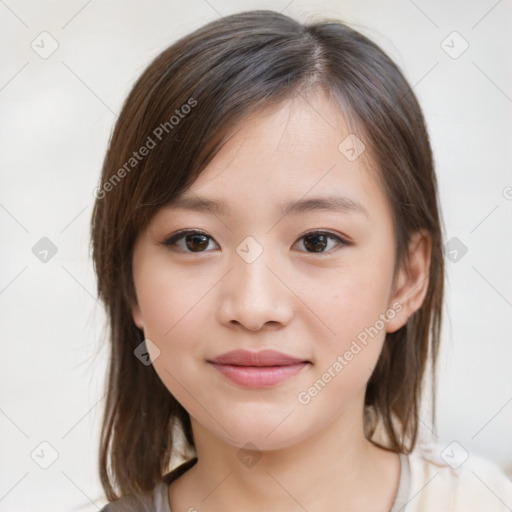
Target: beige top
<point>432,479</point>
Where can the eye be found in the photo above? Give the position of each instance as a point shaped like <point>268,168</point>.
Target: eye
<point>197,241</point>
<point>317,241</point>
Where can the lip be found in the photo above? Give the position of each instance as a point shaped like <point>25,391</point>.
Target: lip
<point>258,369</point>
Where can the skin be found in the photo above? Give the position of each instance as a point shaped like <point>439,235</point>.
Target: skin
<point>197,305</point>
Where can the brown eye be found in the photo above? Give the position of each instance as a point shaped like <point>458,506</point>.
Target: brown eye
<point>195,241</point>
<point>317,241</point>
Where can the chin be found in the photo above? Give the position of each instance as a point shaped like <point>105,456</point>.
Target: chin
<point>259,428</point>
<point>245,438</point>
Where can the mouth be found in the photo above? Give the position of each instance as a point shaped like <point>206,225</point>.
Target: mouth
<point>258,369</point>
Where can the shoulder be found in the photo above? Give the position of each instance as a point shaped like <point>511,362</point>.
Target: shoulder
<point>452,479</point>
<point>156,501</point>
<point>141,503</point>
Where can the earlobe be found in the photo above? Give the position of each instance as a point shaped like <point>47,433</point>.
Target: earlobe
<point>412,283</point>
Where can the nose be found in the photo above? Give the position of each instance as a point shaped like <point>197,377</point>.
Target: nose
<point>255,295</point>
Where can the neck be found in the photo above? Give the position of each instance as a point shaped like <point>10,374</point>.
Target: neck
<point>335,465</point>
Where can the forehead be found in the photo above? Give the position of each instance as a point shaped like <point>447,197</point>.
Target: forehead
<point>291,159</point>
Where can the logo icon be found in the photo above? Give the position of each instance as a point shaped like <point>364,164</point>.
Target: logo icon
<point>147,352</point>
<point>249,249</point>
<point>44,45</point>
<point>249,455</point>
<point>455,249</point>
<point>454,455</point>
<point>44,455</point>
<point>44,250</point>
<point>454,45</point>
<point>351,147</point>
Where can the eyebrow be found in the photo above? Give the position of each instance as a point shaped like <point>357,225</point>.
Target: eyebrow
<point>342,204</point>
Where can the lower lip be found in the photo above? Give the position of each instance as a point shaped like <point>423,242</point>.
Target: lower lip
<point>259,376</point>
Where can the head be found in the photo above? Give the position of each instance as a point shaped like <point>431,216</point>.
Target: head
<point>256,111</point>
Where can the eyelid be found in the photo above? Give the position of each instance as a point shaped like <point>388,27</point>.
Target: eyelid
<point>342,241</point>
<point>320,231</point>
<point>171,240</point>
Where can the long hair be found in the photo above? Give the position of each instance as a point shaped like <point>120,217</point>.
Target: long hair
<point>179,113</point>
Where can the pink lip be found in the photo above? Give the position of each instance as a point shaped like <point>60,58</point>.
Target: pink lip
<point>258,369</point>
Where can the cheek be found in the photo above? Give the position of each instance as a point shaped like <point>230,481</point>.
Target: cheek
<point>171,300</point>
<point>353,311</point>
<point>174,306</point>
<point>352,299</point>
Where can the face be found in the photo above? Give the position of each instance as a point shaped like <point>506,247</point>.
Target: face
<point>312,283</point>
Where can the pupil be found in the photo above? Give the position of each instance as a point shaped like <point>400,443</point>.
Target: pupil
<point>316,239</point>
<point>202,244</point>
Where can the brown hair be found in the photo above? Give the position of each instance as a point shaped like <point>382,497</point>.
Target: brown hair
<point>182,109</point>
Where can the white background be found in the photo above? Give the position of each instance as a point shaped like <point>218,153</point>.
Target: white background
<point>56,117</point>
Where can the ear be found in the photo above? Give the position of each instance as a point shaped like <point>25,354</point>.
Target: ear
<point>137,316</point>
<point>411,284</point>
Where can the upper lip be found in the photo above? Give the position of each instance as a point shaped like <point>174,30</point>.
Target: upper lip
<point>262,358</point>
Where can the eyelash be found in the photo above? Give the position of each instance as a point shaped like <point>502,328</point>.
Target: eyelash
<point>173,239</point>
